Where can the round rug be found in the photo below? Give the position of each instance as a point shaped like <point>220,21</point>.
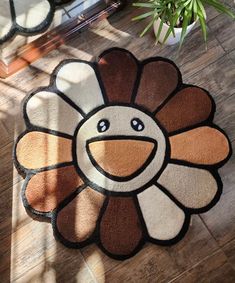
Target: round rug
<point>26,17</point>
<point>120,152</point>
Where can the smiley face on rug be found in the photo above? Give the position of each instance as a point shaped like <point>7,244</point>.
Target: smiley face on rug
<point>120,152</point>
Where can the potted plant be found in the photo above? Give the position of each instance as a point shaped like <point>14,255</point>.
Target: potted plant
<point>172,20</point>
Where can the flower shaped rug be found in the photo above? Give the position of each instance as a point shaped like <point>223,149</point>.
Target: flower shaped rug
<point>120,152</point>
<point>27,17</point>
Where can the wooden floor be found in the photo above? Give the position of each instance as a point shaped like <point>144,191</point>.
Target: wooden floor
<point>28,251</point>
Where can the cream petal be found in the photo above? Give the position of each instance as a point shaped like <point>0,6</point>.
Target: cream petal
<point>48,110</point>
<point>78,81</point>
<point>163,218</point>
<point>193,187</point>
<point>5,18</point>
<point>32,13</point>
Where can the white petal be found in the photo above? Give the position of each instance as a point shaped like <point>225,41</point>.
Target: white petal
<point>193,187</point>
<point>48,110</point>
<point>31,13</point>
<point>78,81</point>
<point>5,18</point>
<point>163,218</point>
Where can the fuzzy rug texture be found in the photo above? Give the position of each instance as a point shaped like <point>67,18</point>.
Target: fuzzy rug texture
<point>120,152</point>
<point>26,17</point>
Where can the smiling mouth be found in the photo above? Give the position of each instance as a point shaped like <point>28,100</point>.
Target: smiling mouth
<point>121,157</point>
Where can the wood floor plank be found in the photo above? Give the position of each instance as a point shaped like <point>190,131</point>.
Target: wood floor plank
<point>221,218</point>
<point>217,78</point>
<point>214,269</point>
<point>229,250</point>
<point>8,176</point>
<point>222,26</point>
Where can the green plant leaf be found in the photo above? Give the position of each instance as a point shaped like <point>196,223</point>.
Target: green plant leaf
<point>143,16</point>
<point>202,9</point>
<point>221,8</point>
<point>203,27</point>
<point>149,26</point>
<point>159,31</point>
<point>144,5</point>
<point>186,20</point>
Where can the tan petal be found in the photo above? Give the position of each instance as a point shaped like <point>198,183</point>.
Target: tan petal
<point>203,145</point>
<point>47,189</point>
<point>163,218</point>
<point>118,70</point>
<point>77,220</point>
<point>38,149</point>
<point>158,80</point>
<point>188,107</point>
<point>193,187</point>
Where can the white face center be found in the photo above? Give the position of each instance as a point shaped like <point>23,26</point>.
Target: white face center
<point>120,149</point>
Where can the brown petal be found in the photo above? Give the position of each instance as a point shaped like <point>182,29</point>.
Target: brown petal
<point>120,228</point>
<point>47,189</point>
<point>188,107</point>
<point>118,70</point>
<point>38,149</point>
<point>158,80</point>
<point>77,220</point>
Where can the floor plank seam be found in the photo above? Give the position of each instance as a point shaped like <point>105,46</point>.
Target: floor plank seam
<point>195,265</point>
<point>88,268</point>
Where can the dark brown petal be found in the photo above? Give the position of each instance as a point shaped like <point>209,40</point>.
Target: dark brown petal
<point>158,80</point>
<point>77,220</point>
<point>120,227</point>
<point>118,70</point>
<point>188,107</point>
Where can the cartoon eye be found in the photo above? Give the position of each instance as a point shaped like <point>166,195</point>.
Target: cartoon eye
<point>103,125</point>
<point>137,124</point>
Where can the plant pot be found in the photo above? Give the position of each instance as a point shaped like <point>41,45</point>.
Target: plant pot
<point>171,39</point>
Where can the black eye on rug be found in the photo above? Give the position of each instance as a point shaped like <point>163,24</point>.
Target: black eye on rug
<point>26,17</point>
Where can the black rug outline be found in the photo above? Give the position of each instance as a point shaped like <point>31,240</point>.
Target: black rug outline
<point>42,27</point>
<point>146,238</point>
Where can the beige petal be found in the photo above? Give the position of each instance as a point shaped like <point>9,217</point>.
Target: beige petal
<point>31,13</point>
<point>77,80</point>
<point>163,218</point>
<point>48,110</point>
<point>5,18</point>
<point>193,187</point>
